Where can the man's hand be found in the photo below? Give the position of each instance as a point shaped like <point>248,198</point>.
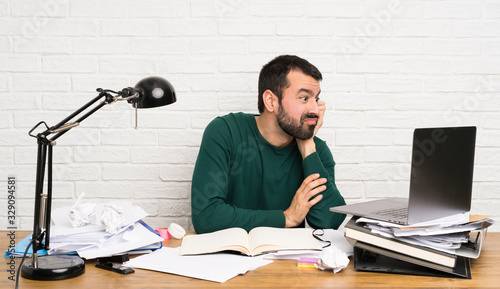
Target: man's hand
<point>307,147</point>
<point>305,197</point>
<point>322,108</point>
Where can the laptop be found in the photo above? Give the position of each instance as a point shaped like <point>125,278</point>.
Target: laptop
<point>442,166</point>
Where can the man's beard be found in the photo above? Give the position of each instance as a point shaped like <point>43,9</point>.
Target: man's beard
<point>301,130</point>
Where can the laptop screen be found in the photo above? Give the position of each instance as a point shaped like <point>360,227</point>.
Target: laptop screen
<point>441,172</point>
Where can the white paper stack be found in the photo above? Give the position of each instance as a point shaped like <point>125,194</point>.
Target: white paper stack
<point>451,235</point>
<point>95,239</point>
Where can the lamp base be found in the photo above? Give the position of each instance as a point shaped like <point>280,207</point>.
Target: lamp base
<point>54,268</point>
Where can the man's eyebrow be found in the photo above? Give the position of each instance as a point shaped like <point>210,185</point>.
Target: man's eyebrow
<point>308,91</point>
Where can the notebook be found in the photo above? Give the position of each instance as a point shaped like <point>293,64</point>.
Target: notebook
<point>442,167</point>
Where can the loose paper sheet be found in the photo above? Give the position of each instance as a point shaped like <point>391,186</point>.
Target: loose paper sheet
<point>212,267</point>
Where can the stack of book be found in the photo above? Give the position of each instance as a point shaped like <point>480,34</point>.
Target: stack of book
<point>431,251</point>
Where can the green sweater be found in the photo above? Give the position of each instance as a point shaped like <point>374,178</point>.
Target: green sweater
<point>241,180</point>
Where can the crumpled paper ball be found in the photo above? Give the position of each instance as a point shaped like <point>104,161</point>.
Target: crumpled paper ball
<point>332,258</point>
<point>112,218</point>
<point>82,214</point>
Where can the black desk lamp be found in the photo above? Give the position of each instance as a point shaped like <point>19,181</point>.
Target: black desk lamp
<point>147,93</point>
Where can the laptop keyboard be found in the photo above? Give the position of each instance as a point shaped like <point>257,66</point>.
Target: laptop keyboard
<point>400,213</point>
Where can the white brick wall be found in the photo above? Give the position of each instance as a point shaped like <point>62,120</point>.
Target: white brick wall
<point>389,66</point>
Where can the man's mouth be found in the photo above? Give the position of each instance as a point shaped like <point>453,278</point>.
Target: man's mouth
<point>310,119</point>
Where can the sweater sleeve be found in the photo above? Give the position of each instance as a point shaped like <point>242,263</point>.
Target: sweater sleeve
<point>209,208</point>
<point>322,162</point>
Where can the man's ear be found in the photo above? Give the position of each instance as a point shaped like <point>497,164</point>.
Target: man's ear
<point>270,100</point>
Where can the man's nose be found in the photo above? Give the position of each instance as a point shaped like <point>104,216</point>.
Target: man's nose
<point>313,107</point>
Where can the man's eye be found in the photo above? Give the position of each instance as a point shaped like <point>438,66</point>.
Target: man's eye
<point>317,99</point>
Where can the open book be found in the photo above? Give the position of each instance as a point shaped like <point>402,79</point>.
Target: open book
<point>257,241</point>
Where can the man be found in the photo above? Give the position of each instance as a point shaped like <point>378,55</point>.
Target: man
<point>268,169</point>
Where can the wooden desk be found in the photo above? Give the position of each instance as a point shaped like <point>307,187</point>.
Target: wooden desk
<point>279,274</point>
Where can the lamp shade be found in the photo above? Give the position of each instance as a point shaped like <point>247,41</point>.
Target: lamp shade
<point>155,91</point>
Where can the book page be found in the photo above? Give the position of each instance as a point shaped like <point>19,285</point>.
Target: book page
<point>228,239</point>
<point>264,239</point>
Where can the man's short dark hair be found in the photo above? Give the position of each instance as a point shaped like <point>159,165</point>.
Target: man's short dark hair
<point>273,75</point>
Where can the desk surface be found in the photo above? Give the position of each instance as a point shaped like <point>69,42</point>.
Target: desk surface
<point>279,274</point>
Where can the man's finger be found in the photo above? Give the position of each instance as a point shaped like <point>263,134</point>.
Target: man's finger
<point>315,191</point>
<point>315,200</point>
<point>308,180</point>
<point>316,183</point>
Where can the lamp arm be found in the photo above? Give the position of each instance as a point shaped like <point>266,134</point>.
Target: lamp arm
<point>109,99</point>
<point>65,128</point>
<point>64,125</point>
